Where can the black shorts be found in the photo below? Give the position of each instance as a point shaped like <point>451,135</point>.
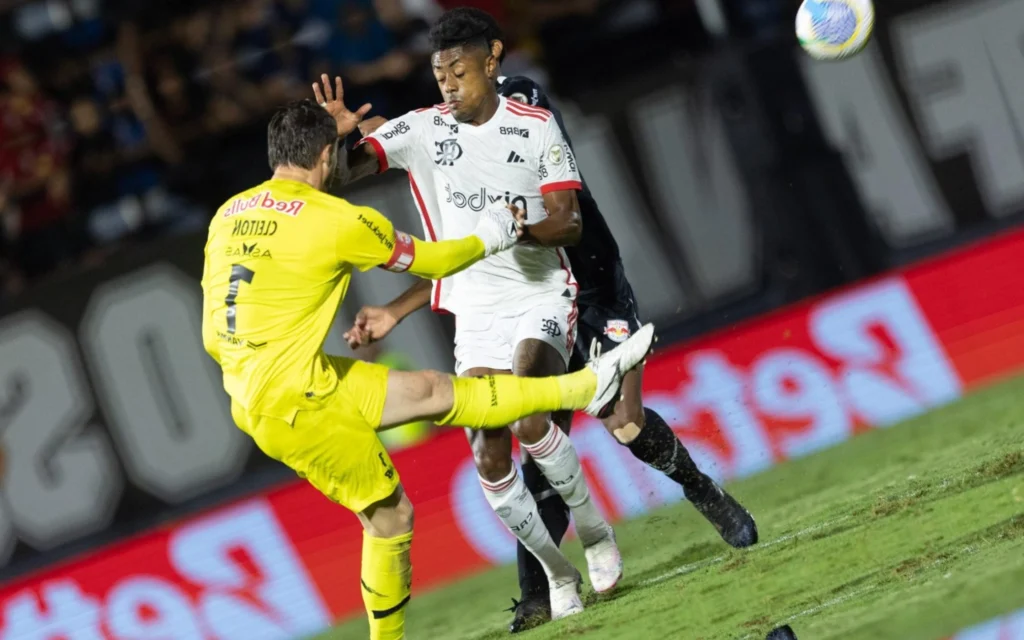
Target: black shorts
<point>608,316</point>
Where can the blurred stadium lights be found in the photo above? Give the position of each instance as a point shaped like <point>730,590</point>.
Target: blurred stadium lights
<point>35,20</point>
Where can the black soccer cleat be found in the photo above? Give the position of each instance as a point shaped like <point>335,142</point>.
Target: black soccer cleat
<point>733,522</point>
<point>782,633</point>
<point>529,613</point>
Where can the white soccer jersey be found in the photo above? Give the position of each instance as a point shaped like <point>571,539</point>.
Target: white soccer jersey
<point>457,170</point>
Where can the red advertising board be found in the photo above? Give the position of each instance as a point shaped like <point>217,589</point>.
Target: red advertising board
<point>796,381</point>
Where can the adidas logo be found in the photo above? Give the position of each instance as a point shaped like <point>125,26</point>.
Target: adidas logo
<point>515,158</point>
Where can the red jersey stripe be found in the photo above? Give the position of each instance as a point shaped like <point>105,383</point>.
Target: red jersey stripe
<point>523,114</point>
<point>530,108</point>
<point>435,299</point>
<point>566,185</point>
<point>382,158</point>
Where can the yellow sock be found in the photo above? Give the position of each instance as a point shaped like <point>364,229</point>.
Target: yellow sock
<point>386,577</point>
<point>496,401</point>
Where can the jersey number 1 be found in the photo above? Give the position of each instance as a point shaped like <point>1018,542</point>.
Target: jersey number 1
<point>239,274</point>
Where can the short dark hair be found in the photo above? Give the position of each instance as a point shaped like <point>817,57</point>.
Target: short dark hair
<point>298,133</point>
<point>466,26</point>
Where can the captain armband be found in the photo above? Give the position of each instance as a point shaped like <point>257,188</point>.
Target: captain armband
<point>403,254</point>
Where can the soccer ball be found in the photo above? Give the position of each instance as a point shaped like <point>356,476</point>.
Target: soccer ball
<point>834,29</point>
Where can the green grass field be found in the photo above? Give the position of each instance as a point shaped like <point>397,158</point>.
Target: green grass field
<point>911,532</point>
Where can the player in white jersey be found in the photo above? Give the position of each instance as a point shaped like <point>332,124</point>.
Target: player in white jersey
<point>514,313</point>
<point>517,157</point>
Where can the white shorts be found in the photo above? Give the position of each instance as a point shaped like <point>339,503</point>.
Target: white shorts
<point>488,340</point>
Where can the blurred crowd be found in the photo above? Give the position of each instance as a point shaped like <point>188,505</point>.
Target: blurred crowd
<point>120,120</point>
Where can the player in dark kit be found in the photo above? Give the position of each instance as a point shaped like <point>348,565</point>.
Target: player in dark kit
<point>608,316</point>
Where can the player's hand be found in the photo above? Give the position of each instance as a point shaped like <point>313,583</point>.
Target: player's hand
<point>371,324</point>
<point>368,126</point>
<point>520,217</point>
<point>332,100</point>
<point>500,228</point>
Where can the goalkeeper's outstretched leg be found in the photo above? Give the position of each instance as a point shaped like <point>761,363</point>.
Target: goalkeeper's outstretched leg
<point>489,402</point>
<point>496,401</point>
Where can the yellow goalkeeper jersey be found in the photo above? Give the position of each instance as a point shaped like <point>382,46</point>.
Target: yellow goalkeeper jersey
<point>279,258</point>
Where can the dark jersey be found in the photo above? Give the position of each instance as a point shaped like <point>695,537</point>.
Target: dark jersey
<point>595,260</point>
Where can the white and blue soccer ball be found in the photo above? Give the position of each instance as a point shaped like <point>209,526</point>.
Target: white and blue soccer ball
<point>834,29</point>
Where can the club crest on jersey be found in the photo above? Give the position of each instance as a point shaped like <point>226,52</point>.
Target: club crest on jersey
<point>617,330</point>
<point>555,155</point>
<point>448,151</point>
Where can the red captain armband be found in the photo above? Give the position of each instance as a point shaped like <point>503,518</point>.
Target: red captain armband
<point>403,254</point>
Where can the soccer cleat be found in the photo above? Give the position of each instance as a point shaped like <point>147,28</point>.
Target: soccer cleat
<point>604,563</point>
<point>733,522</point>
<point>565,596</point>
<point>529,613</point>
<point>784,632</point>
<point>612,366</point>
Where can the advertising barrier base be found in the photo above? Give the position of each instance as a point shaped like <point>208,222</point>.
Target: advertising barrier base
<point>802,379</point>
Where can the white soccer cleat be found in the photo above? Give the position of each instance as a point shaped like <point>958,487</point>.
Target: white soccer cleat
<point>565,596</point>
<point>612,366</point>
<point>604,563</point>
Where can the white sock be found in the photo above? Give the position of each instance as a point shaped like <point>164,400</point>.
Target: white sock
<point>557,459</point>
<point>518,510</point>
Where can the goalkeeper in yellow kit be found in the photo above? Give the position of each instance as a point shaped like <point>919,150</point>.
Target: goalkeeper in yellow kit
<point>279,258</point>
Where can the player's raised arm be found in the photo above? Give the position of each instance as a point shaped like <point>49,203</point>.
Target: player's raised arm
<point>362,159</point>
<point>356,163</point>
<point>389,145</point>
<point>367,239</point>
<point>369,125</point>
<point>559,181</point>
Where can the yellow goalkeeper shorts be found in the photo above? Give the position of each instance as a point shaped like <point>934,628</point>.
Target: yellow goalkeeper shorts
<point>335,447</point>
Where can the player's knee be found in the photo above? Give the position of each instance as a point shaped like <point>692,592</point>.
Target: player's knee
<point>404,515</point>
<point>563,419</point>
<point>393,521</point>
<point>536,359</point>
<point>492,465</point>
<point>390,517</point>
<point>531,429</point>
<point>434,391</point>
<point>625,423</point>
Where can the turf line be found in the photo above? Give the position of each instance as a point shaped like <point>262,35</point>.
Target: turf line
<point>696,566</point>
<point>853,594</point>
<point>826,605</point>
<point>818,609</point>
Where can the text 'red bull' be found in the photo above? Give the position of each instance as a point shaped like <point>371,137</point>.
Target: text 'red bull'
<point>264,200</point>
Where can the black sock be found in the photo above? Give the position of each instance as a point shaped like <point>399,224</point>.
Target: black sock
<point>554,513</point>
<point>659,448</point>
